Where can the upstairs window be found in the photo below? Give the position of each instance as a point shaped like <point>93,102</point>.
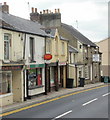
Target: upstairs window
<point>87,70</point>
<point>6,46</point>
<point>31,49</point>
<point>56,45</point>
<point>48,46</point>
<point>80,46</point>
<point>63,48</point>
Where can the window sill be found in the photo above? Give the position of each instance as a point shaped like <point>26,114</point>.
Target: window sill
<point>6,61</point>
<point>5,95</point>
<point>87,78</point>
<point>32,61</point>
<point>48,52</point>
<point>36,87</point>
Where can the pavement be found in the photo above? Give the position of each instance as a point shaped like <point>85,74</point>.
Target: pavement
<point>53,94</point>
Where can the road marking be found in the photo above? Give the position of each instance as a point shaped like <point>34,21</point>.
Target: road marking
<point>62,115</point>
<point>90,102</point>
<point>37,104</point>
<point>105,94</point>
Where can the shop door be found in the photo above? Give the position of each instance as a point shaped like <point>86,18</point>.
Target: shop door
<point>61,76</point>
<point>48,79</point>
<point>56,78</point>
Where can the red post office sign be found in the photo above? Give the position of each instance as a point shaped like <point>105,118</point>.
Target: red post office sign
<point>47,57</point>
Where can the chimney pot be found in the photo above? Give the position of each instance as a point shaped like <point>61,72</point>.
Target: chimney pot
<point>40,12</point>
<point>58,10</point>
<point>5,3</point>
<point>35,10</point>
<point>55,11</point>
<point>43,11</point>
<point>32,10</point>
<point>47,11</point>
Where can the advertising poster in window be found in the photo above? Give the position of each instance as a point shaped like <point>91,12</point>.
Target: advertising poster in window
<point>32,79</point>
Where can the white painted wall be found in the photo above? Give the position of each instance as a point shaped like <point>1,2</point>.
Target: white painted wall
<point>39,49</point>
<point>16,48</point>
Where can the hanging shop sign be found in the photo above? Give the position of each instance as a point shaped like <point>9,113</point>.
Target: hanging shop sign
<point>47,57</point>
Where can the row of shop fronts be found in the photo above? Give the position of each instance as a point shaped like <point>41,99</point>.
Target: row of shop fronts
<point>55,76</point>
<point>11,84</point>
<point>21,82</point>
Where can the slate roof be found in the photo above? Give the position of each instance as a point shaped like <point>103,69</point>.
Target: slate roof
<point>21,24</point>
<point>84,40</point>
<point>52,31</point>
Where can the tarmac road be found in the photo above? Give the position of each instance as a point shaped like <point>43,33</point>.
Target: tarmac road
<point>89,104</point>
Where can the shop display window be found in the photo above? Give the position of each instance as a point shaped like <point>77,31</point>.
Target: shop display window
<point>34,78</point>
<point>52,76</point>
<point>5,82</point>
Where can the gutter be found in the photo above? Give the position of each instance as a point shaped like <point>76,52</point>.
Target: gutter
<point>23,31</point>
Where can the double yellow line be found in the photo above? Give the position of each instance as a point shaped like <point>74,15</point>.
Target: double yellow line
<point>37,104</point>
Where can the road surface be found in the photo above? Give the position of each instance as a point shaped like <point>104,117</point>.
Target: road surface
<point>89,104</point>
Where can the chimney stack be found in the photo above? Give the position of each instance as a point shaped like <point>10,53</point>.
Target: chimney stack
<point>47,18</point>
<point>5,8</point>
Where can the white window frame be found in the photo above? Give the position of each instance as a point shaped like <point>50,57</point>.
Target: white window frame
<point>33,45</point>
<point>7,35</point>
<point>87,72</point>
<point>48,46</point>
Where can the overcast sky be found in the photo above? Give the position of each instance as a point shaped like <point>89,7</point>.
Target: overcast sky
<point>92,15</point>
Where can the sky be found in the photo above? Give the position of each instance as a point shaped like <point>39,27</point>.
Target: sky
<point>90,17</point>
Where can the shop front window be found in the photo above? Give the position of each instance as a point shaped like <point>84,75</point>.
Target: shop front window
<point>52,76</point>
<point>5,82</point>
<point>34,78</point>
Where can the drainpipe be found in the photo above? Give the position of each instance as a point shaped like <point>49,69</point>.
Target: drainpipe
<point>45,71</point>
<point>45,79</point>
<point>24,77</point>
<point>76,76</point>
<point>57,86</point>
